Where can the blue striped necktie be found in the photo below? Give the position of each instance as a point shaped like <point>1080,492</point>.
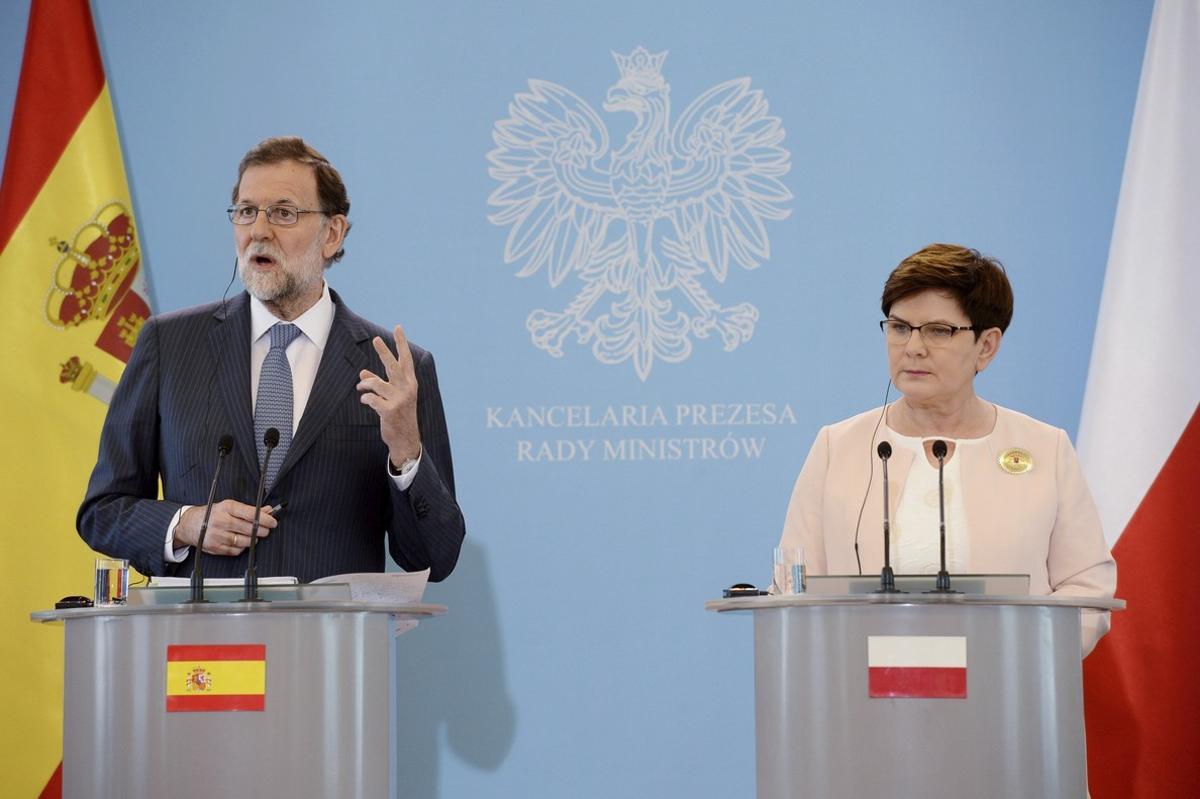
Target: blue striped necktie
<point>273,407</point>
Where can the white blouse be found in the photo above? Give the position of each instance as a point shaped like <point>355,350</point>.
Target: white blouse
<point>915,533</point>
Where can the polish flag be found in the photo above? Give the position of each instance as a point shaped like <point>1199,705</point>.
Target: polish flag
<point>917,666</point>
<point>1139,437</point>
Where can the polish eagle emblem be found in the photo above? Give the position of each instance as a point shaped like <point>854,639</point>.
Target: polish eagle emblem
<point>639,227</point>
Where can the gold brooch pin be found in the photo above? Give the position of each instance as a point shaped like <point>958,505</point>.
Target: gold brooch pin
<point>1016,461</point>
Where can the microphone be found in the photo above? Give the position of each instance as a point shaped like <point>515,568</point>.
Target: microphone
<point>270,441</point>
<point>887,580</point>
<point>942,586</point>
<point>224,445</point>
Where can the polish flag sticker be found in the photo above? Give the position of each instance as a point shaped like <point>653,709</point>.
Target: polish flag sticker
<point>917,666</point>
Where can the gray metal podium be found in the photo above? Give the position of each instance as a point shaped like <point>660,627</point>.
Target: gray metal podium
<point>323,731</point>
<point>1017,732</point>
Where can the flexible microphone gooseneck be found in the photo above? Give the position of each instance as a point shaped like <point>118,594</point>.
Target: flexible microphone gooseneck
<point>942,586</point>
<point>887,579</point>
<point>224,446</point>
<point>270,441</point>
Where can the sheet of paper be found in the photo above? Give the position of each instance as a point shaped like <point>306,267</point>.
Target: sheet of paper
<point>388,588</point>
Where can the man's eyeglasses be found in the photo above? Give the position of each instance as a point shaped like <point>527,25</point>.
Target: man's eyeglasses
<point>283,215</point>
<point>934,334</point>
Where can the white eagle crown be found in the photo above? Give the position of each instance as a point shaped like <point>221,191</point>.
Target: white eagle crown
<point>641,63</point>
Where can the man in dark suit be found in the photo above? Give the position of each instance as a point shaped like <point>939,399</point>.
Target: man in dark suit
<point>363,443</point>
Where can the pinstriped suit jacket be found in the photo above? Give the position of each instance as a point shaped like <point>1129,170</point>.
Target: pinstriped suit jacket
<point>188,382</point>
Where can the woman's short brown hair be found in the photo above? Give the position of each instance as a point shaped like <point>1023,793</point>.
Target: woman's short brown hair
<point>331,191</point>
<point>977,282</point>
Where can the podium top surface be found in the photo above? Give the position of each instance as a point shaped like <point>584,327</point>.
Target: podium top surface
<point>404,611</point>
<point>751,603</point>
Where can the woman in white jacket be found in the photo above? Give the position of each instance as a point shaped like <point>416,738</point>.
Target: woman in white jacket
<point>1016,501</point>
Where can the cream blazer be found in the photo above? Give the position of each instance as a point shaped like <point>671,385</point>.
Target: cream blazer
<point>1042,523</point>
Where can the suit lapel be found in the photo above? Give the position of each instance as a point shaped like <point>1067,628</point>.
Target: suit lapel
<point>980,492</point>
<point>336,377</point>
<point>230,344</point>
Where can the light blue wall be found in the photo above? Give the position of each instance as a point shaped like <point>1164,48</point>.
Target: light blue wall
<point>577,659</point>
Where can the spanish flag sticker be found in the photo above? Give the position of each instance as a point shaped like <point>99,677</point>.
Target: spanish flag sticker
<point>208,677</point>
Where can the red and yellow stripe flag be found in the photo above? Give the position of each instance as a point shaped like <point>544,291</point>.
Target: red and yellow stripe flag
<point>216,677</point>
<point>72,300</point>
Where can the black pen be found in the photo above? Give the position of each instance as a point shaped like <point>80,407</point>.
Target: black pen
<point>275,510</point>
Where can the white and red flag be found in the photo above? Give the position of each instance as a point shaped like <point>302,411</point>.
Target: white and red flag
<point>917,666</point>
<point>1139,438</point>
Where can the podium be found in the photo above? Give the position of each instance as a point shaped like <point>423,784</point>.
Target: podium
<point>1012,728</point>
<point>327,701</point>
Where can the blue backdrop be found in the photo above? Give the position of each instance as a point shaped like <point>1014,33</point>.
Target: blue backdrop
<point>577,659</point>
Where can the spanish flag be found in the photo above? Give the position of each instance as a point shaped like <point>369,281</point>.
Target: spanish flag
<point>72,300</point>
<point>208,677</point>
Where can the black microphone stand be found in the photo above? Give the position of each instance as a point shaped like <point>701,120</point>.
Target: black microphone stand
<point>942,586</point>
<point>250,591</point>
<point>887,579</point>
<point>224,445</point>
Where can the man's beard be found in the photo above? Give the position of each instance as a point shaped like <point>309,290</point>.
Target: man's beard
<point>288,280</point>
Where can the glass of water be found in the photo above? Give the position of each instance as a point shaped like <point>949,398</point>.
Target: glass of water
<point>112,581</point>
<point>788,572</point>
